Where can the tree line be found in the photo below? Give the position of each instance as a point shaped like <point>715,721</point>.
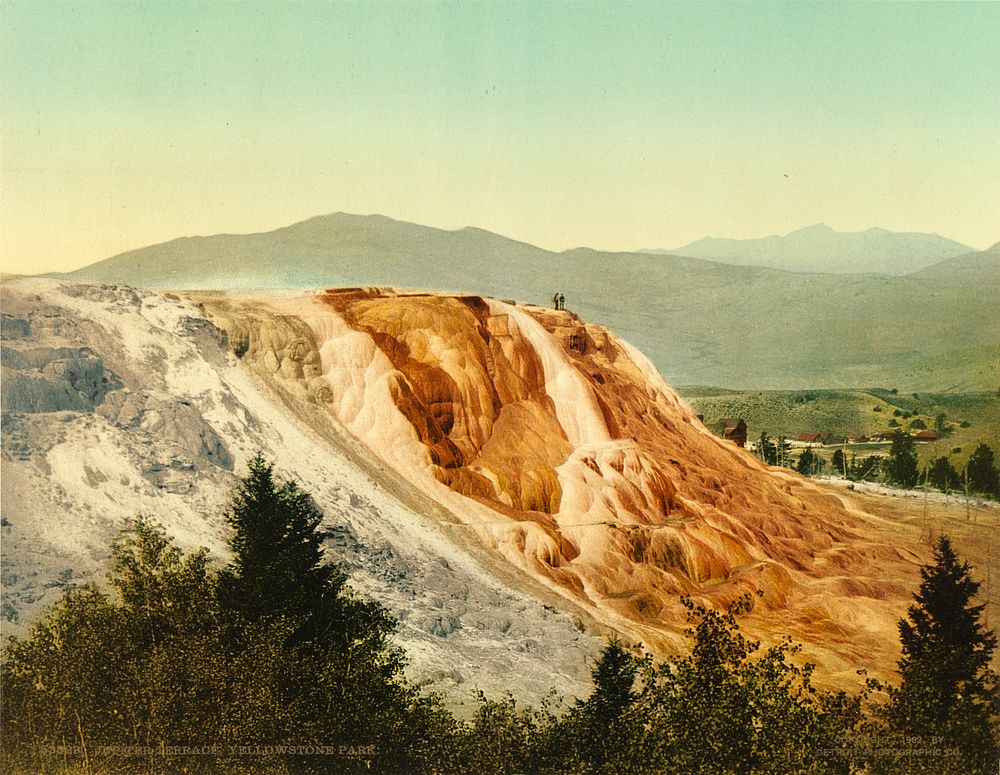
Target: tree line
<point>272,664</point>
<point>980,475</point>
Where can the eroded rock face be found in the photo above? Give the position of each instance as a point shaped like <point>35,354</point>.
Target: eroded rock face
<point>278,346</point>
<point>474,392</point>
<point>560,449</point>
<point>52,379</point>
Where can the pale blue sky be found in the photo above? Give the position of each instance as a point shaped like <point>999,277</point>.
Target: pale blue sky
<point>612,125</point>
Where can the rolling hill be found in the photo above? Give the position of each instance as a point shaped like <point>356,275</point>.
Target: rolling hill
<point>701,322</point>
<point>968,269</point>
<point>970,418</point>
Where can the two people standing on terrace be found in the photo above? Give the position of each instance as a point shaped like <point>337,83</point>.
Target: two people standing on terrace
<point>559,301</point>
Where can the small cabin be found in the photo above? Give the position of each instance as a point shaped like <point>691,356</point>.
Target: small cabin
<point>732,429</point>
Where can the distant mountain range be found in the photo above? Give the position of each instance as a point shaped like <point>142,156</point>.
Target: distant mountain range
<point>701,322</point>
<point>821,249</point>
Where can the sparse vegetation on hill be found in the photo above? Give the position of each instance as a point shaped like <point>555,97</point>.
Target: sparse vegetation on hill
<point>961,419</point>
<point>727,324</point>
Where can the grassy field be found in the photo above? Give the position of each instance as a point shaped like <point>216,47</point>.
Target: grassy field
<point>970,418</point>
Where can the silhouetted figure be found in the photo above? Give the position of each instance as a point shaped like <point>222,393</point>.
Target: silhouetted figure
<point>562,301</point>
<point>555,300</point>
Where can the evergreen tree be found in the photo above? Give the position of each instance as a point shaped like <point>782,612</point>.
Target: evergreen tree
<point>947,689</point>
<point>336,674</point>
<point>983,474</point>
<point>601,727</point>
<point>278,567</point>
<point>614,676</point>
<point>901,467</point>
<point>943,475</point>
<point>839,463</point>
<point>782,451</point>
<point>810,464</point>
<point>767,450</point>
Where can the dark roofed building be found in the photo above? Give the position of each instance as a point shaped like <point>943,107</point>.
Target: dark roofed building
<point>813,439</point>
<point>730,428</point>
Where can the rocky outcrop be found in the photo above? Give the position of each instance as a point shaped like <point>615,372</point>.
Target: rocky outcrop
<point>47,379</point>
<point>473,392</point>
<point>171,420</point>
<point>276,346</point>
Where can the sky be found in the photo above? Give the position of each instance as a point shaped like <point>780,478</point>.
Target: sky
<point>613,125</point>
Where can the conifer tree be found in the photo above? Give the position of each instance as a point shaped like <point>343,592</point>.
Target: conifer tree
<point>983,474</point>
<point>602,729</point>
<point>948,691</point>
<point>901,467</point>
<point>766,449</point>
<point>810,463</point>
<point>943,475</point>
<point>839,462</point>
<point>333,671</point>
<point>278,567</point>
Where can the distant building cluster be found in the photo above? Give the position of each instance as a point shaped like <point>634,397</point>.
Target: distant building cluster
<point>826,439</point>
<point>735,429</point>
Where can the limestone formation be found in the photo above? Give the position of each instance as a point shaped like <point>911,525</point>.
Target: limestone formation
<point>503,476</point>
<point>561,450</point>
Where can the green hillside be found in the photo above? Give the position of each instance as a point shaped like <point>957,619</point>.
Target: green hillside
<point>970,418</point>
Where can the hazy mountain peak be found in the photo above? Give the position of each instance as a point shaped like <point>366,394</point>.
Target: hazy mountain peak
<point>820,248</point>
<point>816,228</point>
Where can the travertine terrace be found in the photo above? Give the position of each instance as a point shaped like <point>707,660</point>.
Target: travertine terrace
<point>556,447</point>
